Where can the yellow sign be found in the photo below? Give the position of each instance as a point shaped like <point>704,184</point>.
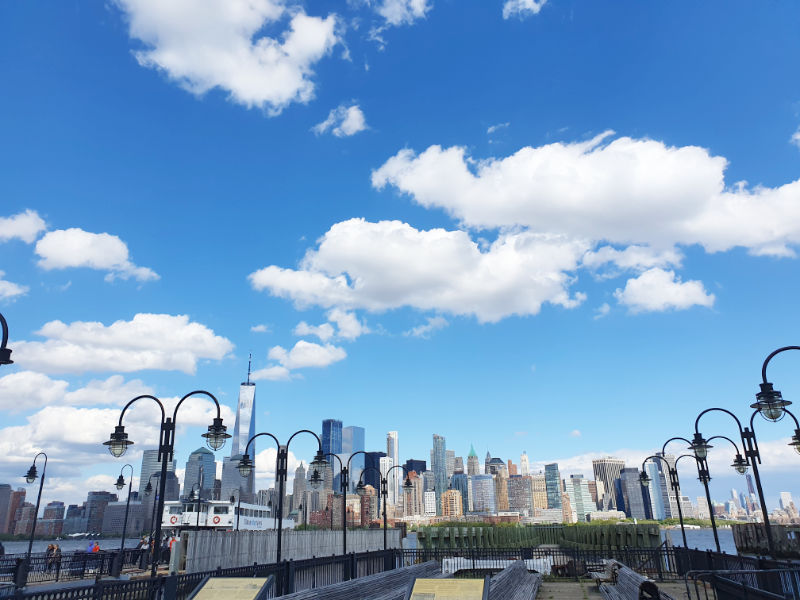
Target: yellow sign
<point>447,589</point>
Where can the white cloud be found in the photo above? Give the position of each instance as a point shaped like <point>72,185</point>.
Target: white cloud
<point>618,190</point>
<point>67,248</point>
<point>9,289</point>
<point>342,121</point>
<point>148,341</point>
<point>494,128</point>
<point>324,332</point>
<point>221,44</point>
<point>389,264</point>
<point>602,311</point>
<point>25,226</point>
<point>522,8</point>
<point>659,290</point>
<point>795,139</point>
<point>575,433</point>
<point>347,323</point>
<point>261,328</point>
<point>307,354</point>
<point>425,330</point>
<point>265,462</point>
<point>637,258</point>
<point>403,12</point>
<point>272,373</point>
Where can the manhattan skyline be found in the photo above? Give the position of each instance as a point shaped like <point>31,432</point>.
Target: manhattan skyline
<point>567,239</point>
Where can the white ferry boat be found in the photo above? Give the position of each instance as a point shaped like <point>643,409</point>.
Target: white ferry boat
<point>216,514</point>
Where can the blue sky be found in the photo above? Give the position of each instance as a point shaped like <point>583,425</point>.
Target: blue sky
<point>560,227</point>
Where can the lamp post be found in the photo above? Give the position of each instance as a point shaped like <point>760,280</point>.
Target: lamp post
<point>769,401</point>
<point>281,471</point>
<point>147,491</point>
<point>191,498</point>
<point>700,447</point>
<point>361,490</point>
<point>238,499</point>
<point>21,576</point>
<point>119,485</point>
<point>675,483</point>
<point>118,443</point>
<point>344,486</point>
<point>5,353</point>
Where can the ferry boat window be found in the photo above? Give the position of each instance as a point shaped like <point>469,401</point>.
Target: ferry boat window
<point>174,510</point>
<point>189,508</point>
<point>220,510</point>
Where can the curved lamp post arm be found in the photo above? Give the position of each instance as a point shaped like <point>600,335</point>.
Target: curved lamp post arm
<point>266,433</point>
<point>672,439</point>
<point>770,357</point>
<point>354,454</point>
<point>787,411</point>
<point>722,437</point>
<point>336,456</point>
<point>393,467</point>
<point>361,477</point>
<point>319,441</point>
<point>735,418</point>
<point>187,396</point>
<point>5,353</point>
<point>153,398</point>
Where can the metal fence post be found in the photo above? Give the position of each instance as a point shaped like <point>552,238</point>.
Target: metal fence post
<point>290,577</point>
<point>169,587</point>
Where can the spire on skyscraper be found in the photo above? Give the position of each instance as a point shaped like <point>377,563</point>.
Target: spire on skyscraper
<point>472,451</point>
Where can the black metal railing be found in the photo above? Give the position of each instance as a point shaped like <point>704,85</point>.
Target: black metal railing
<point>67,566</point>
<point>662,564</point>
<point>761,584</point>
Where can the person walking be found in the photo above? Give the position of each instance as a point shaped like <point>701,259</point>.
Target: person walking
<point>48,557</point>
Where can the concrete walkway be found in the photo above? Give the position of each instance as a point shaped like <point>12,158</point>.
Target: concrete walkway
<point>586,590</point>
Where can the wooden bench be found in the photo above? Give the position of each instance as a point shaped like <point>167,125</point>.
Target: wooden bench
<point>607,575</point>
<point>514,583</point>
<point>388,585</point>
<point>630,586</point>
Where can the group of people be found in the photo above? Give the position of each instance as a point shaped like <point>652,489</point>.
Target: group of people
<point>53,556</point>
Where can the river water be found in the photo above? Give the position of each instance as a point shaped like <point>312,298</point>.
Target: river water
<point>702,539</point>
<point>67,545</point>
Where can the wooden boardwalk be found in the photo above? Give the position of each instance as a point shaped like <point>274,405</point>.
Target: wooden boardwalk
<point>586,590</point>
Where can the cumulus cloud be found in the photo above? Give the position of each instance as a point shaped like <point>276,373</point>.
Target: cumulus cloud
<point>260,328</point>
<point>425,330</point>
<point>402,12</point>
<point>602,311</point>
<point>148,341</point>
<point>619,190</point>
<point>307,354</point>
<point>9,289</point>
<point>795,139</point>
<point>324,332</point>
<point>25,226</point>
<point>522,8</point>
<point>66,248</point>
<point>222,44</point>
<point>389,264</point>
<point>349,327</point>
<point>659,290</point>
<point>342,121</point>
<point>271,373</point>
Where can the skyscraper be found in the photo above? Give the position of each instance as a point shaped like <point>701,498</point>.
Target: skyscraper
<point>439,467</point>
<point>637,501</point>
<point>372,463</point>
<point>607,470</point>
<point>245,426</point>
<point>200,461</point>
<point>419,466</point>
<point>151,466</point>
<point>524,465</point>
<point>656,496</point>
<point>483,496</point>
<point>450,457</point>
<point>460,482</point>
<point>331,437</point>
<point>395,477</point>
<point>352,442</point>
<point>243,430</point>
<point>552,480</point>
<point>473,464</point>
<point>580,498</point>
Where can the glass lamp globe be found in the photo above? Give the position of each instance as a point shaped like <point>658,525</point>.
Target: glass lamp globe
<point>245,466</point>
<point>216,435</point>
<point>120,482</point>
<point>118,442</point>
<point>740,464</point>
<point>31,475</point>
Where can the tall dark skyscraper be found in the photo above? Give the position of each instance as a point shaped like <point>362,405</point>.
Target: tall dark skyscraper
<point>353,441</point>
<point>331,436</point>
<point>372,468</point>
<point>439,467</point>
<point>552,481</point>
